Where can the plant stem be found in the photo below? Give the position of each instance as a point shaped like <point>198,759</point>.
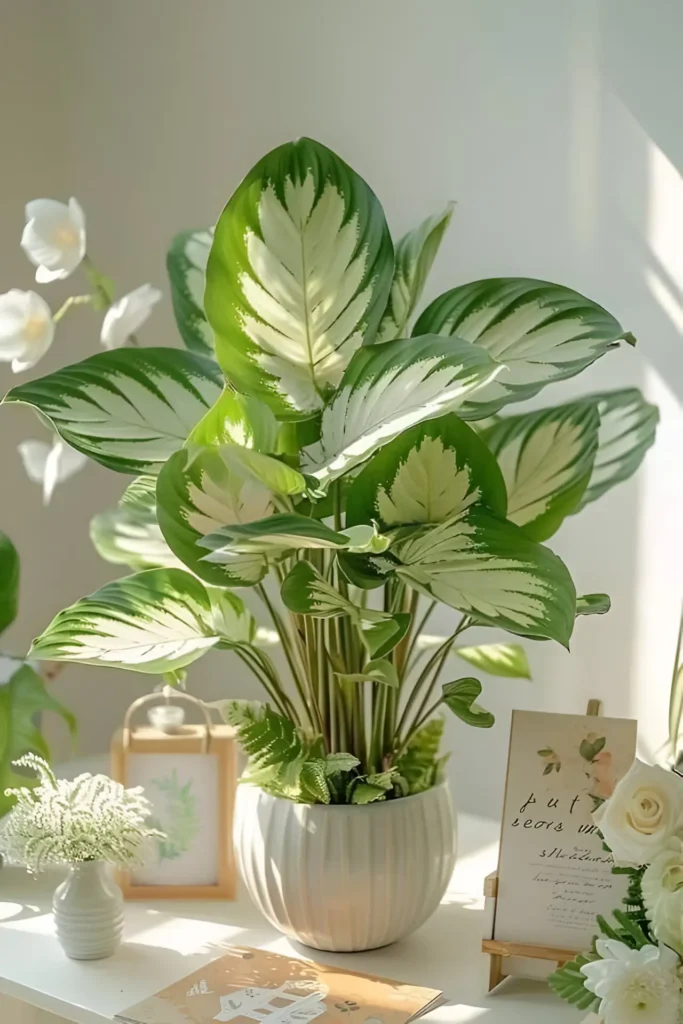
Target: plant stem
<point>464,624</point>
<point>73,300</point>
<point>416,632</point>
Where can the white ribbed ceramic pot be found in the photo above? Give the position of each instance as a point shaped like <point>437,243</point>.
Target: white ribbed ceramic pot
<point>88,912</point>
<point>345,878</point>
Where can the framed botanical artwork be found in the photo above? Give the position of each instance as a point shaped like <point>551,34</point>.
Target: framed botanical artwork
<point>189,774</point>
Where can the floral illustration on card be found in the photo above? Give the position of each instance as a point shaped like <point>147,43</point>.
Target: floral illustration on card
<point>597,764</point>
<point>176,814</point>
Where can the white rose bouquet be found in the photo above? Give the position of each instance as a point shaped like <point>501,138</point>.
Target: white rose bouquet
<point>634,972</point>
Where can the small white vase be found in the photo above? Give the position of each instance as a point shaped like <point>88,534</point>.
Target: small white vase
<point>345,878</point>
<point>88,911</point>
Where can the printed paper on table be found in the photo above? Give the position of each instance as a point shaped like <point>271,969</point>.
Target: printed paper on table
<point>554,876</point>
<point>254,986</point>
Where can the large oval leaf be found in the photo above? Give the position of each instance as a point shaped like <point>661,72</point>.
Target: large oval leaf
<point>155,621</point>
<point>426,475</point>
<point>197,494</point>
<point>9,582</point>
<point>542,332</point>
<point>628,425</point>
<point>388,388</point>
<point>129,534</point>
<point>415,253</point>
<point>298,276</point>
<point>186,265</point>
<point>487,568</point>
<point>547,459</point>
<point>128,409</point>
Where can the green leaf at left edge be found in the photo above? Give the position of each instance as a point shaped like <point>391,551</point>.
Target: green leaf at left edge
<point>427,474</point>
<point>298,277</point>
<point>22,697</point>
<point>415,254</point>
<point>388,388</point>
<point>487,568</point>
<point>186,262</point>
<point>628,425</point>
<point>129,534</point>
<point>507,660</point>
<point>547,459</point>
<point>9,582</point>
<point>460,697</point>
<point>129,409</point>
<point>541,331</point>
<point>155,621</point>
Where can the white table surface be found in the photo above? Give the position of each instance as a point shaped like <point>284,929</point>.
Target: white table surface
<point>166,940</point>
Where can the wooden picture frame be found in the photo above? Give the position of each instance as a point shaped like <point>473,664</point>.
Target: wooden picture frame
<point>189,752</point>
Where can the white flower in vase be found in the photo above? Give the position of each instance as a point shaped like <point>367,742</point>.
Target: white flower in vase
<point>50,465</point>
<point>54,237</point>
<point>642,815</point>
<point>26,329</point>
<point>635,986</point>
<point>127,315</point>
<point>662,888</point>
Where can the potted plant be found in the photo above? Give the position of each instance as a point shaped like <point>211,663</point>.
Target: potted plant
<point>351,469</point>
<point>87,824</point>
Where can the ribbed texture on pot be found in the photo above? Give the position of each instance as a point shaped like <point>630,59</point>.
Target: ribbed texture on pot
<point>88,912</point>
<point>345,878</point>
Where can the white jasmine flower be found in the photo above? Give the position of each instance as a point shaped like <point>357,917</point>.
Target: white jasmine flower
<point>26,328</point>
<point>662,888</point>
<point>54,237</point>
<point>642,815</point>
<point>635,986</point>
<point>127,315</point>
<point>49,465</point>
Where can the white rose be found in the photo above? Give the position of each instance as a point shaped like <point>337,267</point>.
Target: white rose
<point>26,328</point>
<point>662,888</point>
<point>642,815</point>
<point>49,465</point>
<point>635,986</point>
<point>54,237</point>
<point>127,315</point>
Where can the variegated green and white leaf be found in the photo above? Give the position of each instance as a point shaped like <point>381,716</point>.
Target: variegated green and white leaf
<point>197,494</point>
<point>276,534</point>
<point>487,568</point>
<point>415,254</point>
<point>237,419</point>
<point>507,660</point>
<point>460,697</point>
<point>231,618</point>
<point>129,534</point>
<point>542,332</point>
<point>155,621</point>
<point>428,474</point>
<point>388,388</point>
<point>628,425</point>
<point>547,459</point>
<point>129,409</point>
<point>186,265</point>
<point>298,277</point>
<point>378,670</point>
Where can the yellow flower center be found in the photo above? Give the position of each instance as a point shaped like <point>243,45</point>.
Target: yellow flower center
<point>67,237</point>
<point>34,327</point>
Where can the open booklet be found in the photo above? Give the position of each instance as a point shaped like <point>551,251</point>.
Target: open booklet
<point>250,986</point>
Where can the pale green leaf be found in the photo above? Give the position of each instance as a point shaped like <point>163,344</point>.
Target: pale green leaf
<point>508,660</point>
<point>155,621</point>
<point>129,409</point>
<point>231,619</point>
<point>377,671</point>
<point>298,276</point>
<point>487,568</point>
<point>278,533</point>
<point>388,388</point>
<point>419,763</point>
<point>380,631</point>
<point>340,763</point>
<point>593,604</point>
<point>199,493</point>
<point>186,265</point>
<point>9,582</point>
<point>313,781</point>
<point>428,474</point>
<point>460,697</point>
<point>129,534</point>
<point>415,254</point>
<point>541,331</point>
<point>23,697</point>
<point>547,459</point>
<point>628,425</point>
<point>237,419</point>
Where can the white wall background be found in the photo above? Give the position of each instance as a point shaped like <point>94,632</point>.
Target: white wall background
<point>555,126</point>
